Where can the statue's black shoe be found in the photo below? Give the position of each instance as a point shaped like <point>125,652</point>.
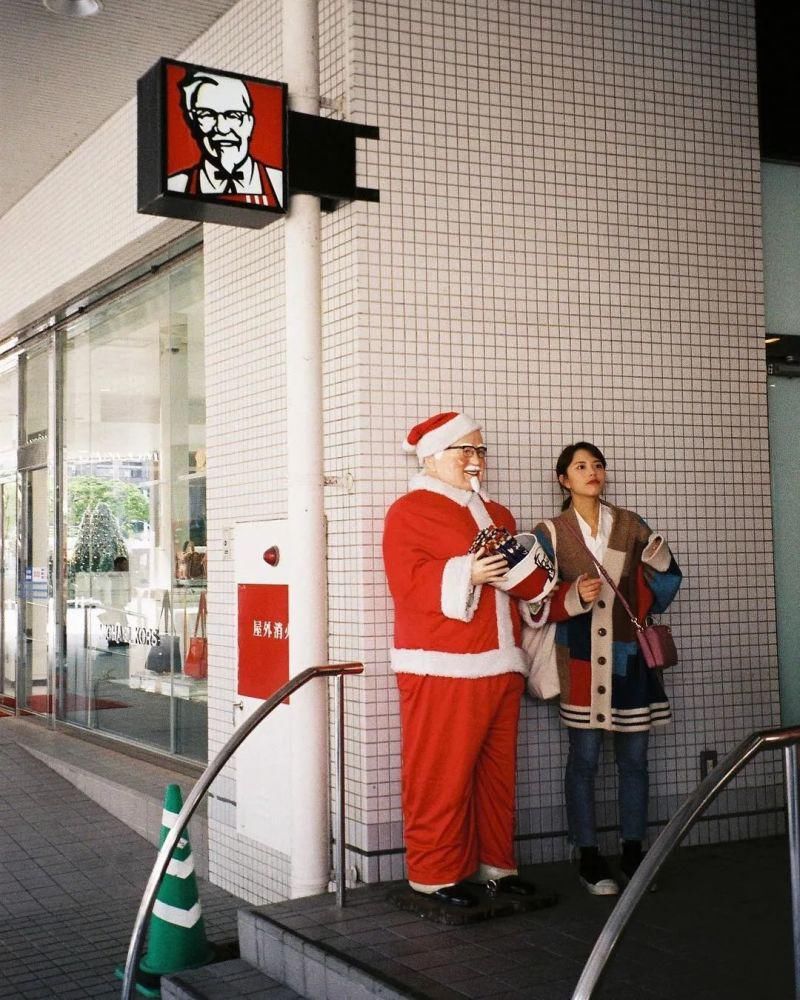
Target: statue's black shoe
<point>513,885</point>
<point>452,895</point>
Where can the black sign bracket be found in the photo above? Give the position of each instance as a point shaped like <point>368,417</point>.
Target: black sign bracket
<point>322,159</point>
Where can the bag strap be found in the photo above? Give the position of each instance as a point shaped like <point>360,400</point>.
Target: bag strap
<point>202,611</point>
<point>634,620</point>
<point>166,611</point>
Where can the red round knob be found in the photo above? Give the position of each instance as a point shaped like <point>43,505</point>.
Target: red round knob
<point>272,556</point>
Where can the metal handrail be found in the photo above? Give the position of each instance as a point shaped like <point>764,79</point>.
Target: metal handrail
<point>677,828</point>
<point>202,786</point>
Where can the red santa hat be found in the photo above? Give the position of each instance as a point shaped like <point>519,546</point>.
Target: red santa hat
<point>438,432</point>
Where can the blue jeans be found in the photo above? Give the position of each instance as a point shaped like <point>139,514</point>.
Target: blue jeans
<point>630,752</point>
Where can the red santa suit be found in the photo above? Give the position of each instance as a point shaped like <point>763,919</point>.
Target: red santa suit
<point>460,672</point>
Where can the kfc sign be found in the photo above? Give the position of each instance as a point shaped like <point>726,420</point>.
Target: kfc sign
<point>212,145</point>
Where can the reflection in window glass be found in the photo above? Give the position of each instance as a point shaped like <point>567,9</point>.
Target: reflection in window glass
<point>36,417</point>
<point>9,404</point>
<point>134,515</point>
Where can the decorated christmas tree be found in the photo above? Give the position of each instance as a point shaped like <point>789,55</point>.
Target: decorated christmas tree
<point>99,542</point>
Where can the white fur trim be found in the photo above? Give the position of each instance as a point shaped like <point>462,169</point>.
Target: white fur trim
<point>459,598</point>
<point>421,481</point>
<point>464,498</point>
<point>428,889</point>
<point>485,872</point>
<point>657,554</point>
<point>477,508</point>
<point>535,613</point>
<point>445,434</point>
<point>467,665</point>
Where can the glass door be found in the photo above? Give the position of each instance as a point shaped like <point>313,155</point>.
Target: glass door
<point>134,525</point>
<point>34,587</point>
<point>8,592</point>
<point>35,522</point>
<point>9,443</point>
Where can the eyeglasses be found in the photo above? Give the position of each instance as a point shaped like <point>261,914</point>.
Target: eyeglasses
<point>469,451</point>
<point>208,118</point>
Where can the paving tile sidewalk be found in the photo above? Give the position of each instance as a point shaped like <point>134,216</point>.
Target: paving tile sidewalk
<point>71,879</point>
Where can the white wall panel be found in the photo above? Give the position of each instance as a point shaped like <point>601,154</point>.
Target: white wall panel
<point>568,245</point>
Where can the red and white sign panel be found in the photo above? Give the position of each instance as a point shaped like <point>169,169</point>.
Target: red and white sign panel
<point>263,638</point>
<point>212,145</point>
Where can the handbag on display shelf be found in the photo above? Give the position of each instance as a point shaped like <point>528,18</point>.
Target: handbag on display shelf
<point>189,563</point>
<point>196,664</point>
<point>166,656</point>
<point>539,642</point>
<point>656,643</point>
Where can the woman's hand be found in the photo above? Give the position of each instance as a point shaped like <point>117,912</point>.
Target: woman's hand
<point>588,588</point>
<point>488,568</point>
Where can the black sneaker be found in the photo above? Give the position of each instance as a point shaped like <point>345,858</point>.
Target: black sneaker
<point>594,873</point>
<point>632,856</point>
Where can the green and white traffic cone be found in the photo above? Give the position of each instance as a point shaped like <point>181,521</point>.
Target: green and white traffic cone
<point>176,939</point>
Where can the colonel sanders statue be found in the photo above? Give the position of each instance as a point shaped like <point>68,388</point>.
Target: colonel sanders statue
<point>460,669</point>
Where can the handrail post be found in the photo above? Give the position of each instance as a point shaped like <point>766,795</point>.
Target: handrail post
<point>674,832</point>
<point>193,800</point>
<point>340,858</point>
<point>793,822</point>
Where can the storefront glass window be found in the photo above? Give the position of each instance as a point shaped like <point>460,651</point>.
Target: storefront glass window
<point>135,515</point>
<point>36,417</point>
<point>9,404</point>
<point>35,523</point>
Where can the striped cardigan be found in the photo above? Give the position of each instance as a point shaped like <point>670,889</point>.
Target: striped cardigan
<point>604,682</point>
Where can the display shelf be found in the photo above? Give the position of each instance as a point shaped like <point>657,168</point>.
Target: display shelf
<point>186,688</point>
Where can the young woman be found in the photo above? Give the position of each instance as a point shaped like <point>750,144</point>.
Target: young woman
<point>605,684</point>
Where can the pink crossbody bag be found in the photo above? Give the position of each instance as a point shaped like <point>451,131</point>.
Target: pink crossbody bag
<point>655,641</point>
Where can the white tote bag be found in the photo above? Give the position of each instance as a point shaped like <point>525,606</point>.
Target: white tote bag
<point>539,643</point>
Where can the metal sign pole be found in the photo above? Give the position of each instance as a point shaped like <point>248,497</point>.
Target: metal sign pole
<point>310,824</point>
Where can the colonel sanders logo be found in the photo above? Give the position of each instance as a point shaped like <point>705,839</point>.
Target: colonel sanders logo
<point>224,117</point>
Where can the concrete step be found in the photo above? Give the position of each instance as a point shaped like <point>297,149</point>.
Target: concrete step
<point>231,980</point>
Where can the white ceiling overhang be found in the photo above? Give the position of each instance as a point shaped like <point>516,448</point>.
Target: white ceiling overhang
<point>61,77</point>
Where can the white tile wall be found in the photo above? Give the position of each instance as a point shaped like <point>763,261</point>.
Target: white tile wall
<point>567,245</point>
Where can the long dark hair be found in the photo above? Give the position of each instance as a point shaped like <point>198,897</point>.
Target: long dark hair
<point>565,460</point>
